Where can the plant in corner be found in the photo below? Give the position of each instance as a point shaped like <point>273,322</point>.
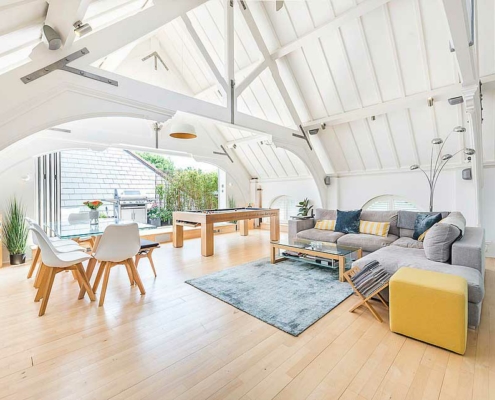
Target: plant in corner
<point>304,207</point>
<point>154,215</point>
<point>15,232</point>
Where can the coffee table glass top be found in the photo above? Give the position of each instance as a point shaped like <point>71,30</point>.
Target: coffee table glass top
<point>323,247</point>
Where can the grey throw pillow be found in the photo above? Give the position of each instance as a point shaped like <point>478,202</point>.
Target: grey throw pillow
<point>438,241</point>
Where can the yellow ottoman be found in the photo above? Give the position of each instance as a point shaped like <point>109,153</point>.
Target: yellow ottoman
<point>430,306</point>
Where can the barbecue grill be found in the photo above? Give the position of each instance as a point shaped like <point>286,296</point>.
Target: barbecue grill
<point>130,205</point>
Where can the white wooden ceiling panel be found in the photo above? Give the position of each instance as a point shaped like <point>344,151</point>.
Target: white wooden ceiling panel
<point>246,51</point>
<point>299,166</point>
<point>365,144</point>
<point>265,101</point>
<point>340,6</point>
<point>332,146</point>
<point>398,124</point>
<point>309,90</point>
<point>22,16</point>
<point>332,46</point>
<point>280,21</point>
<point>271,155</point>
<point>424,131</point>
<point>408,46</point>
<point>254,107</point>
<point>262,160</point>
<point>321,11</point>
<point>276,97</point>
<point>321,74</point>
<point>486,35</point>
<point>440,61</point>
<point>382,55</point>
<point>299,16</point>
<point>362,72</point>
<point>265,26</point>
<point>349,147</point>
<point>385,145</point>
<point>286,162</point>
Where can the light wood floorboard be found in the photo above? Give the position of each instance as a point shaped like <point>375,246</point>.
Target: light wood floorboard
<point>177,342</point>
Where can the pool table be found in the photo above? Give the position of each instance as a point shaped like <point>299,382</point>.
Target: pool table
<point>206,218</point>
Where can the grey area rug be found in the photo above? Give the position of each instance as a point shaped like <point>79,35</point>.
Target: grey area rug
<point>291,295</point>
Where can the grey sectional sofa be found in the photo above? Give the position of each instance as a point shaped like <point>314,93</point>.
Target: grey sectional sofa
<point>399,249</point>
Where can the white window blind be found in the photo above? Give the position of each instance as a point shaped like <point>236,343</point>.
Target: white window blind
<point>390,203</point>
<point>287,207</point>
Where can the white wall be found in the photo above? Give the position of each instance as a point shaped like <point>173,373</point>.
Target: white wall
<point>298,188</point>
<point>489,210</point>
<point>451,194</point>
<point>13,184</point>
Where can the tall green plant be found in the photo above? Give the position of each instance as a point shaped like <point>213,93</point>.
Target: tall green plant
<point>15,230</point>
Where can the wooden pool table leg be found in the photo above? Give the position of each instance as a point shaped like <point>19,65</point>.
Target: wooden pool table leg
<point>207,240</point>
<point>274,228</point>
<point>178,235</point>
<point>244,227</point>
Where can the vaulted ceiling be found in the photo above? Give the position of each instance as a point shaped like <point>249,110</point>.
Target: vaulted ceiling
<point>360,71</point>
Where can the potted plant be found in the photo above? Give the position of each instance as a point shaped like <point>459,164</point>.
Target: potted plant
<point>154,215</point>
<point>165,216</point>
<point>304,207</point>
<point>93,206</point>
<point>15,232</point>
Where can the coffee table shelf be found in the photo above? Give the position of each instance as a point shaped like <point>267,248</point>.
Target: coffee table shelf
<point>328,251</point>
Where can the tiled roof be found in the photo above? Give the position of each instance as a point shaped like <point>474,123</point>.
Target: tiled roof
<point>90,175</point>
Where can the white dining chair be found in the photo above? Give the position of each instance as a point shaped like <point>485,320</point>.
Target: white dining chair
<point>53,263</point>
<point>118,245</point>
<point>59,246</point>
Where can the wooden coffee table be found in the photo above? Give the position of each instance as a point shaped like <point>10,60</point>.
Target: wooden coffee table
<point>328,252</point>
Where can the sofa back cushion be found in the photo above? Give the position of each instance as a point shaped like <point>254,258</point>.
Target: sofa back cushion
<point>407,219</point>
<point>438,241</point>
<point>321,214</point>
<point>382,216</point>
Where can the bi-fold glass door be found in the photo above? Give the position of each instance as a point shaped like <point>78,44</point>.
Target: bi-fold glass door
<point>48,189</point>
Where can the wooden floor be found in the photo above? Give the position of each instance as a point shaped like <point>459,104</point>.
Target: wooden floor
<point>177,342</point>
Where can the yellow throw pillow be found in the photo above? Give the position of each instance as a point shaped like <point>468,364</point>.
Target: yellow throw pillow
<point>374,228</point>
<point>325,224</point>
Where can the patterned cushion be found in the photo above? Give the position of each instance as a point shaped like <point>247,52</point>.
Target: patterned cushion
<point>424,222</point>
<point>326,224</point>
<point>374,228</point>
<point>348,221</point>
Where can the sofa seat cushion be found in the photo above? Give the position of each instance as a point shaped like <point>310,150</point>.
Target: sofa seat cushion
<point>366,242</point>
<point>319,235</point>
<point>394,257</point>
<point>408,242</point>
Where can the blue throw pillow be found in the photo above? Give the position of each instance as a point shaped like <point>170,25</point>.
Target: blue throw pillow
<point>348,221</point>
<point>424,222</point>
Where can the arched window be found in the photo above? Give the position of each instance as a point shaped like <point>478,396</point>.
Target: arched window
<point>287,207</point>
<point>390,203</point>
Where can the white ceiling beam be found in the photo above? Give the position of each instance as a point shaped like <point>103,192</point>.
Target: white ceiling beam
<point>229,57</point>
<point>415,100</point>
<point>62,14</point>
<point>459,24</point>
<point>247,140</point>
<point>250,78</point>
<point>349,15</point>
<point>202,49</point>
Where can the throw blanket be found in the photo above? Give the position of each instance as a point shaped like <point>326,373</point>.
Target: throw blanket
<point>370,278</point>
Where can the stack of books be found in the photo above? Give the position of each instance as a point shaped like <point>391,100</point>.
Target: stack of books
<point>371,278</point>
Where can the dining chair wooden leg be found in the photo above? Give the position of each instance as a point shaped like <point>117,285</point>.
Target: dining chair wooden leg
<point>46,296</point>
<point>149,255</point>
<point>36,258</point>
<point>84,281</point>
<point>42,286</point>
<point>137,278</point>
<point>89,273</point>
<point>129,273</point>
<point>108,266</point>
<point>138,258</point>
<point>99,274</point>
<point>39,276</point>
